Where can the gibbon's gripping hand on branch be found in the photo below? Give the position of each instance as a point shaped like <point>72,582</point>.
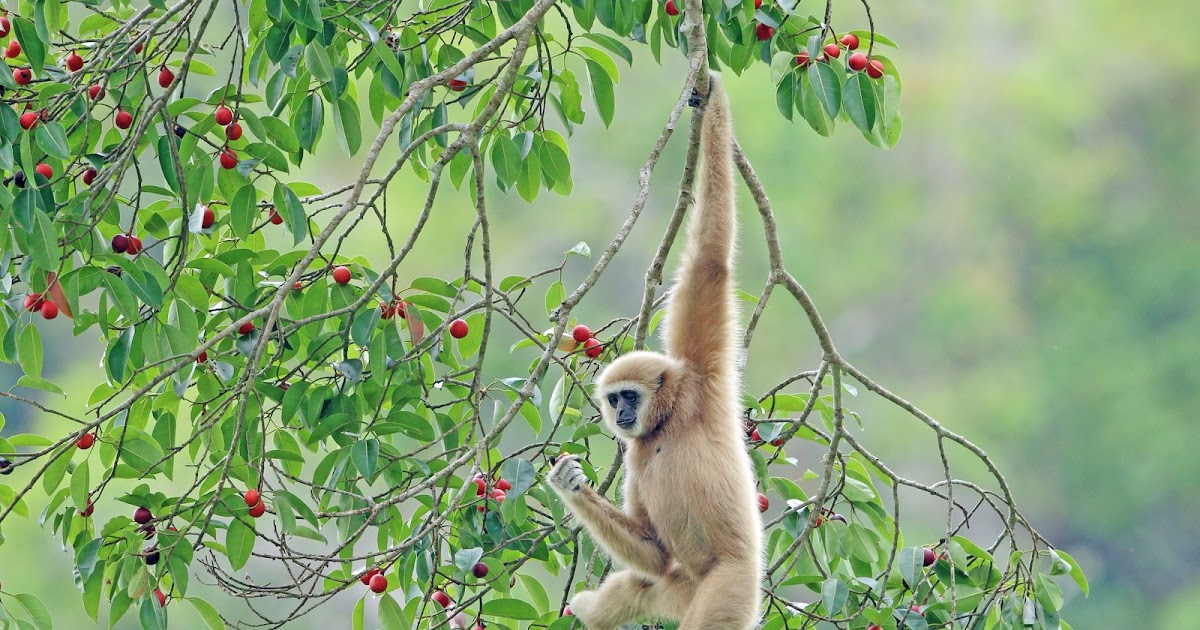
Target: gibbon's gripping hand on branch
<point>567,475</point>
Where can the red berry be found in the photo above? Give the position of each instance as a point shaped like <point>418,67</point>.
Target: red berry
<point>87,510</point>
<point>89,176</point>
<point>74,62</point>
<point>33,302</point>
<point>915,608</point>
<point>386,311</point>
<point>207,220</point>
<point>758,4</point>
<point>874,627</point>
<point>592,348</point>
<point>499,496</point>
<point>142,515</point>
<point>120,243</point>
<point>850,41</point>
<point>670,8</point>
<point>832,50</point>
<point>165,77</point>
<point>49,310</point>
<point>233,131</point>
<point>378,583</point>
<point>366,577</point>
<point>802,58</point>
<point>123,120</point>
<point>29,120</point>
<point>567,611</point>
<point>252,497</point>
<point>297,285</point>
<point>875,69</point>
<point>479,626</point>
<point>274,216</point>
<point>581,333</point>
<point>202,357</point>
<point>14,49</point>
<point>285,386</point>
<point>480,486</point>
<point>458,329</point>
<point>457,85</point>
<point>763,32</point>
<point>223,116</point>
<point>399,306</point>
<point>86,440</point>
<point>503,484</point>
<point>228,158</point>
<point>341,275</point>
<point>4,26</point>
<point>246,329</point>
<point>258,509</point>
<point>480,570</point>
<point>928,556</point>
<point>162,599</point>
<point>95,92</point>
<point>44,170</point>
<point>763,502</point>
<point>857,61</point>
<point>135,246</point>
<point>755,436</point>
<point>777,442</point>
<point>22,76</point>
<point>441,598</point>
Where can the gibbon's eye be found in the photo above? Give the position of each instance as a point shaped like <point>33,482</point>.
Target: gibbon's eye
<point>612,400</point>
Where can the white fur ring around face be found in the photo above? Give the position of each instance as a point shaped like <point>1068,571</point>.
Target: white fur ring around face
<point>567,474</point>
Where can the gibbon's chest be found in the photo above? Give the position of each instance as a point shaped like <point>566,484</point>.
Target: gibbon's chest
<point>673,489</point>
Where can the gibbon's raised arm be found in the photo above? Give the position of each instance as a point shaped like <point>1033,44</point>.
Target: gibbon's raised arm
<point>701,314</point>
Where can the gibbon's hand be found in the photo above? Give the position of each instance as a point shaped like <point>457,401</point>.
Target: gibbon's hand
<point>567,475</point>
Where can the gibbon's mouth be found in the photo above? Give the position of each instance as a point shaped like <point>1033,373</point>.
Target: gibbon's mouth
<point>626,423</point>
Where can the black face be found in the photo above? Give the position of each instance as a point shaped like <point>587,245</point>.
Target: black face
<point>626,403</point>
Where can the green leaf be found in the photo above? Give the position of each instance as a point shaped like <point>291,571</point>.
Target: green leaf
<point>239,542</point>
<point>365,455</point>
<point>814,112</point>
<point>825,84</point>
<point>602,91</point>
<point>347,125</point>
<point>858,98</point>
<point>208,613</point>
<point>465,559</point>
<point>908,563</point>
<point>1076,572</point>
<point>308,120</point>
<point>32,45</point>
<point>281,134</point>
<point>53,140</point>
<point>834,593</point>
<point>152,616</point>
<point>555,296</point>
<point>506,159</point>
<point>37,611</point>
<point>118,355</point>
<point>44,241</point>
<point>520,473</point>
<point>141,454</point>
<point>391,616</point>
<point>317,62</point>
<point>288,205</point>
<point>81,485</point>
<point>509,608</point>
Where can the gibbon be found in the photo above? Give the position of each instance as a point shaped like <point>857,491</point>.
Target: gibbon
<point>689,537</point>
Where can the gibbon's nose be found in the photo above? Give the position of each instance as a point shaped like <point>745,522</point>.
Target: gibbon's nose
<point>626,415</point>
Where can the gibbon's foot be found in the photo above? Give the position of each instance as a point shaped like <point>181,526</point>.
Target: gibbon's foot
<point>694,99</point>
<point>567,474</point>
<point>697,99</point>
<point>583,606</point>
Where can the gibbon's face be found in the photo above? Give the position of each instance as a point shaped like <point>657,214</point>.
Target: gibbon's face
<point>631,395</point>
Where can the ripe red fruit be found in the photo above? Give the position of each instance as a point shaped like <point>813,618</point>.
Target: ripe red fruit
<point>499,496</point>
<point>581,333</point>
<point>480,486</point>
<point>670,8</point>
<point>378,583</point>
<point>162,599</point>
<point>223,116</point>
<point>252,497</point>
<point>29,120</point>
<point>366,577</point>
<point>915,608</point>
<point>14,49</point>
<point>458,329</point>
<point>87,510</point>
<point>832,50</point>
<point>134,246</point>
<point>457,85</point>
<point>777,442</point>
<point>86,440</point>
<point>95,92</point>
<point>285,386</point>
<point>275,217</point>
<point>202,357</point>
<point>246,329</point>
<point>875,69</point>
<point>22,76</point>
<point>49,310</point>
<point>399,306</point>
<point>233,131</point>
<point>857,61</point>
<point>5,26</point>
<point>33,302</point>
<point>763,32</point>
<point>758,4</point>
<point>120,243</point>
<point>763,502</point>
<point>258,509</point>
<point>850,41</point>
<point>89,176</point>
<point>755,436</point>
<point>165,77</point>
<point>874,627</point>
<point>503,484</point>
<point>928,556</point>
<point>297,285</point>
<point>341,275</point>
<point>123,120</point>
<point>45,170</point>
<point>386,311</point>
<point>480,570</point>
<point>441,598</point>
<point>207,220</point>
<point>592,348</point>
<point>228,158</point>
<point>142,515</point>
<point>567,611</point>
<point>74,62</point>
<point>802,58</point>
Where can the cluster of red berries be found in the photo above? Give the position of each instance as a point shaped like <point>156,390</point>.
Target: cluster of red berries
<point>36,303</point>
<point>498,492</point>
<point>857,61</point>
<point>126,244</point>
<point>755,437</point>
<point>224,117</point>
<point>592,347</point>
<point>253,499</point>
<point>374,580</point>
<point>395,309</point>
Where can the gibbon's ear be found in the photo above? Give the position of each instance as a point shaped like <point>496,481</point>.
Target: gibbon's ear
<point>662,379</point>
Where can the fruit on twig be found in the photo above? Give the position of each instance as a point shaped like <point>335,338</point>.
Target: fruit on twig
<point>252,497</point>
<point>233,131</point>
<point>223,116</point>
<point>120,243</point>
<point>246,329</point>
<point>86,440</point>
<point>89,176</point>
<point>258,509</point>
<point>850,41</point>
<point>33,302</point>
<point>378,583</point>
<point>165,77</point>
<point>49,310</point>
<point>134,246</point>
<point>13,50</point>
<point>857,61</point>
<point>670,8</point>
<point>763,31</point>
<point>581,333</point>
<point>802,58</point>
<point>22,76</point>
<point>441,598</point>
<point>875,69</point>
<point>207,218</point>
<point>480,570</point>
<point>74,62</point>
<point>458,329</point>
<point>593,348</point>
<point>162,599</point>
<point>341,275</point>
<point>229,159</point>
<point>457,85</point>
<point>95,92</point>
<point>832,50</point>
<point>202,357</point>
<point>142,515</point>
<point>29,120</point>
<point>123,119</point>
<point>44,170</point>
<point>928,557</point>
<point>763,502</point>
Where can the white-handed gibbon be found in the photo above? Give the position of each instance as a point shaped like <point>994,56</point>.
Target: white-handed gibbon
<point>689,535</point>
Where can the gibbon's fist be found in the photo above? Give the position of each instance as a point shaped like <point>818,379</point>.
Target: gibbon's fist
<point>567,475</point>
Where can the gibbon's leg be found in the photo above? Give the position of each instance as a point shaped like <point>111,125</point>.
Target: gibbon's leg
<point>631,543</point>
<point>626,597</point>
<point>701,326</point>
<point>727,599</point>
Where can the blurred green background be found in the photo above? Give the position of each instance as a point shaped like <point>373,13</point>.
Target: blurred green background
<point>1024,266</point>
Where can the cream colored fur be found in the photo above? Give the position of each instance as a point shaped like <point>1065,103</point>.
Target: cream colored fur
<point>688,535</point>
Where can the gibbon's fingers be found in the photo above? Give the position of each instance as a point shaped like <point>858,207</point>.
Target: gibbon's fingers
<point>567,474</point>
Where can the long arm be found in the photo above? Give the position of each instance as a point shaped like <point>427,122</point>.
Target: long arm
<point>701,326</point>
<point>630,541</point>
